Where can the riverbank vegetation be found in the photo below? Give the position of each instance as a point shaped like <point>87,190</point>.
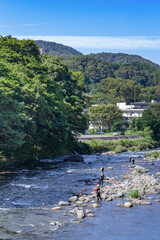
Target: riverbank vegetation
<point>41,103</point>
<point>153,154</point>
<point>125,145</point>
<point>134,193</point>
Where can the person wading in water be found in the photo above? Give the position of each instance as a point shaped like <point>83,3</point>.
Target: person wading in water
<point>102,175</point>
<point>101,169</point>
<point>101,178</point>
<point>97,190</point>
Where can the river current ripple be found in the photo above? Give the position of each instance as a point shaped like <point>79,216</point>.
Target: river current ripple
<point>28,195</point>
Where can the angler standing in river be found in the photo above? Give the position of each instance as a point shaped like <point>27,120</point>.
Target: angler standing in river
<point>102,175</point>
<point>97,190</point>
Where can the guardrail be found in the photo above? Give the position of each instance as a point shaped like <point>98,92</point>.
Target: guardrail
<point>85,138</point>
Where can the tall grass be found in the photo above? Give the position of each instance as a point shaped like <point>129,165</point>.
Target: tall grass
<point>119,146</point>
<point>153,154</point>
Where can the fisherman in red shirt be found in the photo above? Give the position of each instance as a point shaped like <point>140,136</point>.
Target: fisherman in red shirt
<point>97,190</point>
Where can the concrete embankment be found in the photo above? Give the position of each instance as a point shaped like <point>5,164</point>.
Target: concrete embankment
<point>85,138</point>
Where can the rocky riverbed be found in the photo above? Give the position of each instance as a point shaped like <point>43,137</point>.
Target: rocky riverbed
<point>136,177</point>
<point>55,199</point>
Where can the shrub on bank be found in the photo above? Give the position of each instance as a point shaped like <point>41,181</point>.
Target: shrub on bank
<point>134,193</point>
<point>153,154</point>
<point>119,146</point>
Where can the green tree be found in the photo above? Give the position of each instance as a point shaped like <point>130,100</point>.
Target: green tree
<point>150,119</point>
<point>113,90</point>
<point>104,115</point>
<point>72,89</point>
<point>12,120</point>
<point>36,121</point>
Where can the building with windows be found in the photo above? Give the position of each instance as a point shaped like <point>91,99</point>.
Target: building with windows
<point>132,110</point>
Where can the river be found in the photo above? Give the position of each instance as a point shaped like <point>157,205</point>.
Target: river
<point>28,195</point>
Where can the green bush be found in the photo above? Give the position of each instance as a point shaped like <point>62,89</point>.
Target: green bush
<point>138,171</point>
<point>119,146</point>
<point>92,131</point>
<point>81,148</point>
<point>153,154</point>
<point>133,193</point>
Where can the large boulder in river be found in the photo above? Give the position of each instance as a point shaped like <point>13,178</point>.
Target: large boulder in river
<point>80,213</point>
<point>74,158</point>
<point>73,199</point>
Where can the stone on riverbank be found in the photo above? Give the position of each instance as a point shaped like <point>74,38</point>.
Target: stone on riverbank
<point>109,168</point>
<point>76,221</point>
<point>73,199</point>
<point>79,202</point>
<point>120,205</point>
<point>89,211</point>
<point>56,208</point>
<point>142,169</point>
<point>96,205</point>
<point>109,199</point>
<point>128,204</point>
<point>74,158</point>
<point>63,203</point>
<point>90,215</point>
<point>119,195</point>
<point>73,211</point>
<point>80,213</point>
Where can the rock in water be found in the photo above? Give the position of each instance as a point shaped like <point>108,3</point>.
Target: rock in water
<point>119,195</point>
<point>127,204</point>
<point>90,215</point>
<point>56,208</point>
<point>80,214</point>
<point>120,205</point>
<point>74,158</point>
<point>96,205</point>
<point>73,199</point>
<point>62,203</point>
<point>109,168</point>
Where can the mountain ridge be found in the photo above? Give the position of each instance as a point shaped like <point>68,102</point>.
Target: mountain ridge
<point>57,49</point>
<point>60,50</point>
<point>124,58</point>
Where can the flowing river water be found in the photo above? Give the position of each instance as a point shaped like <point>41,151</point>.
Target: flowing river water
<point>28,195</point>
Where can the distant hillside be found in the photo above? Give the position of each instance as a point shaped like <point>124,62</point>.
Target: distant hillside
<point>123,58</point>
<point>56,49</point>
<point>95,69</point>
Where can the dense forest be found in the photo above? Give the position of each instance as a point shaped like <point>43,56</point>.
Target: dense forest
<point>110,82</point>
<point>41,102</point>
<point>111,77</point>
<point>42,99</point>
<point>56,49</point>
<point>122,58</point>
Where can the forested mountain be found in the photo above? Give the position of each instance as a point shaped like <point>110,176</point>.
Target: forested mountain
<point>56,49</point>
<point>123,58</point>
<point>95,69</point>
<point>112,82</point>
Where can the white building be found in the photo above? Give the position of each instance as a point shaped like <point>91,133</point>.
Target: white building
<point>132,110</point>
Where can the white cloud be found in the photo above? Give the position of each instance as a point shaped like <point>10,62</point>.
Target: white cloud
<point>23,25</point>
<point>93,42</point>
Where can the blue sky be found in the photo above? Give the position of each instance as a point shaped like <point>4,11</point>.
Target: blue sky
<point>128,26</point>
